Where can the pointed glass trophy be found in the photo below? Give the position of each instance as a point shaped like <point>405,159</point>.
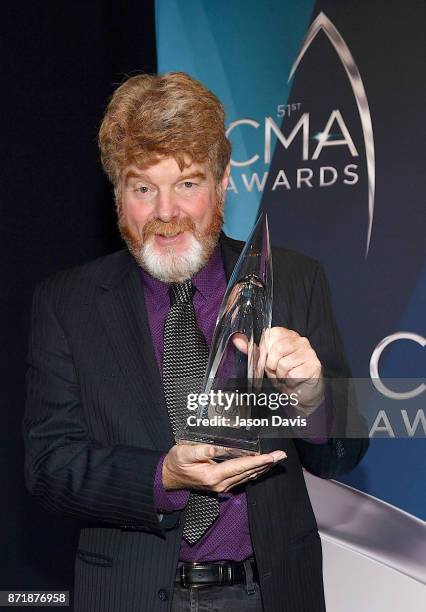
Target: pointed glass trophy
<point>226,406</point>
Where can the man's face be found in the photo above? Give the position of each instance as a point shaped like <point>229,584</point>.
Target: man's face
<point>171,219</point>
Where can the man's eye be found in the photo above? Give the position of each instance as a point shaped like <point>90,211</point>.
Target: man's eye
<point>143,189</point>
<point>188,184</point>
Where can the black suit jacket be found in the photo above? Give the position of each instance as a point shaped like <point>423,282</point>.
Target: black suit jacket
<point>96,425</point>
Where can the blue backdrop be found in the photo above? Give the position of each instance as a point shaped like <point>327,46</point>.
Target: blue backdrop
<point>303,151</point>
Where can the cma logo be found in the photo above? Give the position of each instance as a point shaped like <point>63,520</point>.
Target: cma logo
<point>334,134</point>
<point>382,422</point>
<point>323,137</point>
<point>325,176</point>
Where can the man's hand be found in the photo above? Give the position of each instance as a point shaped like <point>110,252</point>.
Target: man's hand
<point>292,364</point>
<point>192,466</point>
<point>292,361</point>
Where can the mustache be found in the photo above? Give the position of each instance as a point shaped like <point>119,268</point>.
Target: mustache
<point>170,228</point>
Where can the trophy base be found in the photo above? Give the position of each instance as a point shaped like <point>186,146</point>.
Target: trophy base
<point>232,446</point>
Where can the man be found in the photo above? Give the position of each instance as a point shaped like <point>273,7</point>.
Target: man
<point>109,340</point>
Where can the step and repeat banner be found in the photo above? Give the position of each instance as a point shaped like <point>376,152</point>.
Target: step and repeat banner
<point>325,112</point>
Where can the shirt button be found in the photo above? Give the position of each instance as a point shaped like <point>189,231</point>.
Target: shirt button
<point>163,594</point>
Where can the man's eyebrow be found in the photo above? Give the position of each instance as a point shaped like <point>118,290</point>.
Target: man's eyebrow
<point>132,174</point>
<point>190,175</point>
<point>184,177</point>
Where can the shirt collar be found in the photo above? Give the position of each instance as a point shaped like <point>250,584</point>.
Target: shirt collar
<point>209,279</point>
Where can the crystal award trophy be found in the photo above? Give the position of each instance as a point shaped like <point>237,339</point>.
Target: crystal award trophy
<point>226,405</point>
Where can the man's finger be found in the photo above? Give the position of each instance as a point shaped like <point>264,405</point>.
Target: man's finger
<point>240,479</point>
<point>235,467</point>
<point>278,455</point>
<point>289,363</point>
<point>279,349</point>
<point>191,453</point>
<point>252,474</point>
<point>304,372</point>
<point>280,333</point>
<point>240,342</point>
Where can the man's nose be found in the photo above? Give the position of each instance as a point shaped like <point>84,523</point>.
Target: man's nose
<point>166,206</point>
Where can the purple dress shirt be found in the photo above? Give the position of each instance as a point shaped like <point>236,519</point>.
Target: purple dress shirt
<point>229,536</point>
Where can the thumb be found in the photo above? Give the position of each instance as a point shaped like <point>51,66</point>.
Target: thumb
<point>203,452</point>
<point>240,342</point>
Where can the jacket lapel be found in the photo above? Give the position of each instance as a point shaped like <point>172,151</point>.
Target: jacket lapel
<point>230,250</point>
<point>122,308</point>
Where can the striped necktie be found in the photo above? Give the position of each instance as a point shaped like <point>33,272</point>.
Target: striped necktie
<point>184,364</point>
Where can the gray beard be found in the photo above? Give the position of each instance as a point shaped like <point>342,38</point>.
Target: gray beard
<point>170,267</point>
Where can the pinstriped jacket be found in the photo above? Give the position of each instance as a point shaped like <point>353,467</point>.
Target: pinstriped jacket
<point>96,425</point>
